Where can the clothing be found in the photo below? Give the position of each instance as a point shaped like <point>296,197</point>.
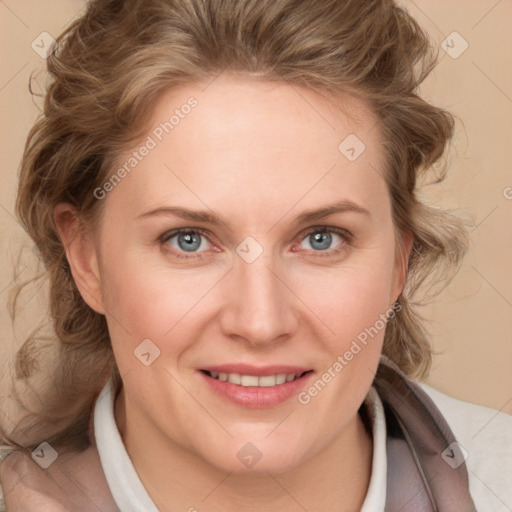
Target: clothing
<point>131,496</point>
<point>485,434</point>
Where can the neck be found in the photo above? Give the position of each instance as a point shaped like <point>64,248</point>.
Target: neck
<point>335,479</point>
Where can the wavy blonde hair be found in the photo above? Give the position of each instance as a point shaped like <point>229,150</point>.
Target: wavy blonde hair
<point>112,64</point>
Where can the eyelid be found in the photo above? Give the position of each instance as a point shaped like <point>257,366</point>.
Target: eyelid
<point>347,235</point>
<point>173,232</point>
<point>324,227</point>
<point>163,239</point>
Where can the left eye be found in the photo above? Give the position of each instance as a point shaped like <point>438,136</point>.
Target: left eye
<point>320,239</point>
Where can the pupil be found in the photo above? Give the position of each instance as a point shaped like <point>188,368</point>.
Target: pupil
<point>323,238</point>
<point>192,242</point>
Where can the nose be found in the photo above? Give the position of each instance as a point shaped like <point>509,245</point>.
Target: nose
<point>259,303</point>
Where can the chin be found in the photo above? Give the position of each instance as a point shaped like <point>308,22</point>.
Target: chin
<point>256,457</point>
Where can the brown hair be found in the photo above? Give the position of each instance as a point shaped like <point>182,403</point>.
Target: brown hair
<point>111,65</point>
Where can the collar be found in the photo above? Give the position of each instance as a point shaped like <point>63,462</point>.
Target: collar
<point>131,496</point>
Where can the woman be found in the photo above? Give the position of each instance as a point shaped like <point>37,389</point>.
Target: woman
<point>224,195</point>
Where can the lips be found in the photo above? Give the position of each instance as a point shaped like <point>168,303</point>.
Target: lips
<point>255,380</point>
<point>256,387</point>
<point>262,371</point>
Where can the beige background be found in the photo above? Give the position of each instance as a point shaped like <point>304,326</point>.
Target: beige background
<point>471,322</point>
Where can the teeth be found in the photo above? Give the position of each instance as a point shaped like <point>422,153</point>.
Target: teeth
<point>254,380</point>
<point>281,378</point>
<point>235,378</point>
<point>249,380</point>
<point>267,381</point>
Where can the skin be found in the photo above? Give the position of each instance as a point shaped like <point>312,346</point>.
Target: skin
<point>258,154</point>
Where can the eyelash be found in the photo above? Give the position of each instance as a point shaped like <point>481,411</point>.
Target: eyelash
<point>343,233</point>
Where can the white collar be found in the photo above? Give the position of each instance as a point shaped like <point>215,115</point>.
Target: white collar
<point>375,500</point>
<point>131,496</point>
<point>124,482</point>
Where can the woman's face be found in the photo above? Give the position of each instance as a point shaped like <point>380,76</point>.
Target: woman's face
<point>288,264</point>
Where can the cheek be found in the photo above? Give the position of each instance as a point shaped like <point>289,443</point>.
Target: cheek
<point>354,307</point>
<point>149,302</point>
<point>349,300</point>
<point>365,299</point>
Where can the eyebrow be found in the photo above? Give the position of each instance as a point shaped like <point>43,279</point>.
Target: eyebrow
<point>210,217</point>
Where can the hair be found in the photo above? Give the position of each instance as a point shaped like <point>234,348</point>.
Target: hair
<point>107,70</point>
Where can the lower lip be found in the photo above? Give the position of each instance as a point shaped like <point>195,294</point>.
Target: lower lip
<point>257,397</point>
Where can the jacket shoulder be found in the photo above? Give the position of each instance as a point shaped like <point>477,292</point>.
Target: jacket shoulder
<point>485,434</point>
<point>70,481</point>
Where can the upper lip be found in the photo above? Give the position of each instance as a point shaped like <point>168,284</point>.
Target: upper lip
<point>247,369</point>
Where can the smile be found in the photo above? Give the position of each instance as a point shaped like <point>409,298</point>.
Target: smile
<point>256,388</point>
<point>255,380</point>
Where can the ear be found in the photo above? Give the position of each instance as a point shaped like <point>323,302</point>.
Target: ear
<point>81,254</point>
<point>404,247</point>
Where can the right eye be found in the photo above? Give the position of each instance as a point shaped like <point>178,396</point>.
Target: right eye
<point>184,240</point>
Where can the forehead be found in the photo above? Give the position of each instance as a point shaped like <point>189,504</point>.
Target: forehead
<point>240,141</point>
